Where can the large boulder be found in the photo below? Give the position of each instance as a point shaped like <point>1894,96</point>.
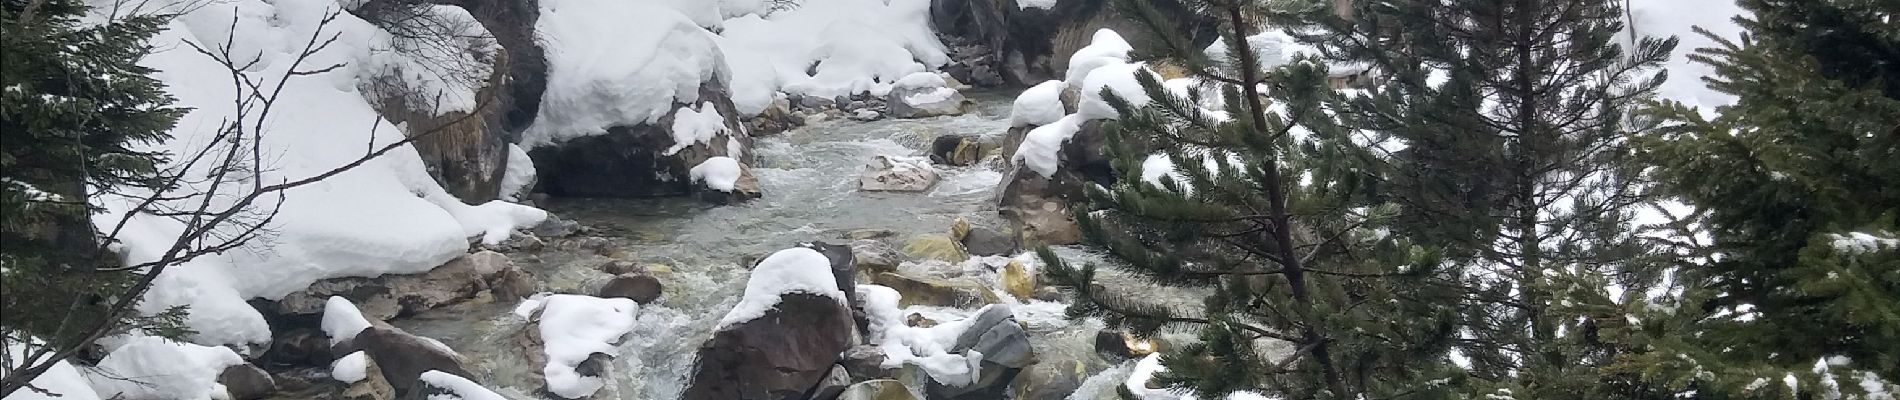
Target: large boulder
<point>1040,204</point>
<point>247,382</point>
<point>776,357</point>
<point>385,297</point>
<point>926,102</point>
<point>641,160</point>
<point>897,174</point>
<point>1004,345</point>
<point>402,357</point>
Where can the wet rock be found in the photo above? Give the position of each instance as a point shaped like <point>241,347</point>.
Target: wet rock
<point>387,296</point>
<point>957,150</point>
<point>987,242</point>
<point>866,362</point>
<point>936,292</point>
<point>858,234</point>
<point>641,288</point>
<point>866,115</point>
<point>1005,350</point>
<point>882,389</point>
<point>916,320</point>
<point>247,382</point>
<point>744,189</point>
<point>897,174</point>
<point>815,102</point>
<point>511,284</point>
<point>875,256</point>
<point>776,118</point>
<point>300,346</point>
<point>1117,346</point>
<point>832,386</point>
<point>1018,281</point>
<point>556,227</point>
<point>1048,293</point>
<point>781,355</point>
<point>926,102</point>
<point>1051,382</point>
<point>402,357</point>
<point>935,247</point>
<point>621,267</point>
<point>518,241</point>
<point>640,160</point>
<point>591,244</point>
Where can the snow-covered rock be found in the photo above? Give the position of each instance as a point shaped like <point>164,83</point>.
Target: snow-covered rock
<point>574,329</point>
<point>61,382</point>
<point>897,174</point>
<point>968,357</point>
<point>154,368</point>
<point>446,386</point>
<point>386,296</point>
<point>783,337</point>
<point>924,95</point>
<point>1038,105</point>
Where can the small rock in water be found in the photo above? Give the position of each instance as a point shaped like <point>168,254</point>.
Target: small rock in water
<point>857,234</point>
<point>875,256</point>
<point>557,227</point>
<point>935,247</point>
<point>621,267</point>
<point>511,284</point>
<point>866,362</point>
<point>1018,281</point>
<point>814,102</point>
<point>957,150</point>
<point>593,244</point>
<point>897,174</point>
<point>986,242</point>
<point>641,288</point>
<point>833,385</point>
<point>866,115</point>
<point>916,320</point>
<point>1048,293</point>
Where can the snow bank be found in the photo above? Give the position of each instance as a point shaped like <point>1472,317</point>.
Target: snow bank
<point>927,348</point>
<point>459,388</point>
<point>342,320</point>
<point>617,63</point>
<point>443,82</point>
<point>574,327</point>
<point>351,368</point>
<point>719,173</point>
<point>920,80</point>
<point>385,216</point>
<point>1042,146</point>
<point>794,270</point>
<point>1038,105</point>
<point>850,46</point>
<point>517,175</point>
<point>1117,77</point>
<point>692,126</point>
<point>61,382</point>
<point>149,367</point>
<point>1105,48</point>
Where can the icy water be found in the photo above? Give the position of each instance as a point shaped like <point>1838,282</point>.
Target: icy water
<point>809,177</point>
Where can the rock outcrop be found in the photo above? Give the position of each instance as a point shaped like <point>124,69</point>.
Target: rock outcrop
<point>632,161</point>
<point>388,296</point>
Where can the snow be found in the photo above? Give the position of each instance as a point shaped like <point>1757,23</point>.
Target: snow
<point>342,320</point>
<point>1146,369</point>
<point>149,367</point>
<point>459,388</point>
<point>1105,48</point>
<point>927,348</point>
<point>850,46</point>
<point>617,63</point>
<point>61,382</point>
<point>350,368</point>
<point>692,126</point>
<point>441,82</point>
<point>1042,146</point>
<point>1856,243</point>
<point>1042,4</point>
<point>385,216</point>
<point>794,270</point>
<point>1038,105</point>
<point>920,80</point>
<point>1118,77</point>
<point>518,175</point>
<point>574,327</point>
<point>932,96</point>
<point>719,173</point>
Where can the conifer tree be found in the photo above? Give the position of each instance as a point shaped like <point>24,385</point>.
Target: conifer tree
<point>1791,287</point>
<point>1511,120</point>
<point>1265,209</point>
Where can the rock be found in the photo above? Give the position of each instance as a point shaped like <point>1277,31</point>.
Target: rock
<point>814,119</point>
<point>986,242</point>
<point>916,320</point>
<point>1117,346</point>
<point>897,174</point>
<point>746,188</point>
<point>957,150</point>
<point>781,355</point>
<point>936,292</point>
<point>1028,44</point>
<point>247,382</point>
<point>592,244</point>
<point>866,115</point>
<point>556,227</point>
<point>640,160</point>
<point>403,357</point>
<point>844,266</point>
<point>833,385</point>
<point>511,284</point>
<point>388,296</point>
<point>519,241</point>
<point>866,362</point>
<point>1047,293</point>
<point>815,102</point>
<point>857,234</point>
<point>935,247</point>
<point>1018,281</point>
<point>621,267</point>
<point>372,387</point>
<point>856,104</point>
<point>1005,349</point>
<point>641,288</point>
<point>1051,382</point>
<point>875,256</point>
<point>1039,205</point>
<point>927,102</point>
<point>882,389</point>
<point>779,117</point>
<point>300,346</point>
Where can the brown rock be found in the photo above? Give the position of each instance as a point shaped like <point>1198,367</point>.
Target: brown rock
<point>247,382</point>
<point>781,355</point>
<point>641,288</point>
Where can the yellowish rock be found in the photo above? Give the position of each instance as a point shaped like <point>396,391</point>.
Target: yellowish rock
<point>936,292</point>
<point>935,247</point>
<point>1017,280</point>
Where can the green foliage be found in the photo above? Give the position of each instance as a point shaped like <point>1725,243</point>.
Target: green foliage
<point>1798,188</point>
<point>76,115</point>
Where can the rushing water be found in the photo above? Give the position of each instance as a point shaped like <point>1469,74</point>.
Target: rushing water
<point>809,177</point>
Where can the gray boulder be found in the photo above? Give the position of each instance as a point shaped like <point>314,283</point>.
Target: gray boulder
<point>895,174</point>
<point>1005,349</point>
<point>926,102</point>
<point>780,356</point>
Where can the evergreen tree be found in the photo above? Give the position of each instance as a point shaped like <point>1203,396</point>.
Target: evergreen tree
<point>1511,120</point>
<point>1792,284</point>
<point>75,110</point>
<point>1309,294</point>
